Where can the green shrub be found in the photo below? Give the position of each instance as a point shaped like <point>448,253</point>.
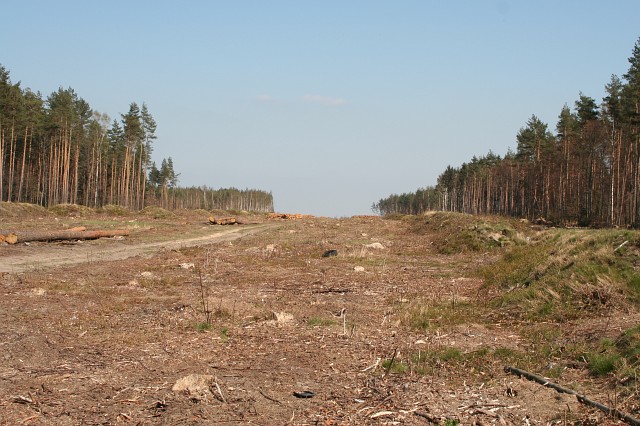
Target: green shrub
<point>397,367</point>
<point>203,326</point>
<point>603,364</point>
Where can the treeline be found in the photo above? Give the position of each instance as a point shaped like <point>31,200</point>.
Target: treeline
<point>217,199</point>
<point>58,150</point>
<point>586,173</point>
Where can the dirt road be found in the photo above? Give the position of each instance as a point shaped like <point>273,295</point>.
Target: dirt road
<point>37,256</point>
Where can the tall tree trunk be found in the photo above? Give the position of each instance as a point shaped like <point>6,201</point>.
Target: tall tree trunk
<point>24,157</point>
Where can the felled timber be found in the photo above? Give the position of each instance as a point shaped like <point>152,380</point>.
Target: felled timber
<point>289,216</point>
<point>581,398</point>
<point>223,220</point>
<point>27,236</point>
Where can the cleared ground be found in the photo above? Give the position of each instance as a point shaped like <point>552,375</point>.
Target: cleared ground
<point>185,323</point>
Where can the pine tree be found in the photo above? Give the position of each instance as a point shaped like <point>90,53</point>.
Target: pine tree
<point>534,140</point>
<point>149,127</point>
<point>134,152</point>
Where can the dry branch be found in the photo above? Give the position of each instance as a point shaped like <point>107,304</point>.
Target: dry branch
<point>332,290</point>
<point>431,419</point>
<point>393,358</point>
<point>581,398</point>
<point>23,237</point>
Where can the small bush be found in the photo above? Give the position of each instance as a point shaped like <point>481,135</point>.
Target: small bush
<point>157,212</point>
<point>203,326</point>
<point>321,322</point>
<point>603,364</point>
<point>70,210</point>
<point>115,210</point>
<point>397,367</point>
<point>450,354</point>
<point>224,334</point>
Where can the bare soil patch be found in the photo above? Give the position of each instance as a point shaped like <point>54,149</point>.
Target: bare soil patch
<point>183,323</point>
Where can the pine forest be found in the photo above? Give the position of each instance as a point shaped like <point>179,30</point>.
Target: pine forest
<point>586,173</point>
<point>58,150</point>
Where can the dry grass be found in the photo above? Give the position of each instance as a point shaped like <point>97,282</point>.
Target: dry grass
<point>122,333</point>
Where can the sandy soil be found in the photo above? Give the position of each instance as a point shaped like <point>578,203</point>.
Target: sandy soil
<point>37,256</point>
<point>234,326</point>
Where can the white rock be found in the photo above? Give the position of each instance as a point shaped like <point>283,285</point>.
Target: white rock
<point>358,268</point>
<point>187,265</point>
<point>282,318</point>
<point>375,246</point>
<point>195,385</point>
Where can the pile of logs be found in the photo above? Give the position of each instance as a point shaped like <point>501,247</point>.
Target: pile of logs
<point>223,221</point>
<point>79,233</point>
<point>287,216</point>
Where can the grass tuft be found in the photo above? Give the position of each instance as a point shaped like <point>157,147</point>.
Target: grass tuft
<point>321,322</point>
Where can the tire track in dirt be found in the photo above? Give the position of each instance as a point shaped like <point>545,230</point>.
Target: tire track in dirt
<point>39,257</point>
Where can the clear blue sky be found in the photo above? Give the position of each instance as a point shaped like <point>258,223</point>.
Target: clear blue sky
<point>330,104</point>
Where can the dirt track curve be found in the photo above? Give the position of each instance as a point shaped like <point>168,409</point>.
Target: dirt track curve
<point>38,257</point>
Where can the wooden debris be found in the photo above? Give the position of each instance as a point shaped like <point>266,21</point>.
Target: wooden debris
<point>223,220</point>
<point>22,399</point>
<point>23,237</point>
<point>269,397</point>
<point>581,398</point>
<point>332,290</point>
<point>621,245</point>
<point>431,419</point>
<point>381,414</point>
<point>289,216</point>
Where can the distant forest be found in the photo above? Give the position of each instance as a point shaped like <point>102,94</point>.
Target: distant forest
<point>58,150</point>
<point>587,173</point>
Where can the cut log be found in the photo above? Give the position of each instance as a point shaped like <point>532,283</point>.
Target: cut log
<point>223,220</point>
<point>581,398</point>
<point>23,237</point>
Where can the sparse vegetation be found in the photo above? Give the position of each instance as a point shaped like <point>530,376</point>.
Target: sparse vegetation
<point>394,366</point>
<point>115,210</point>
<point>461,233</point>
<point>70,210</point>
<point>559,303</point>
<point>424,314</point>
<point>321,322</point>
<point>565,274</point>
<point>157,212</point>
<point>203,326</point>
